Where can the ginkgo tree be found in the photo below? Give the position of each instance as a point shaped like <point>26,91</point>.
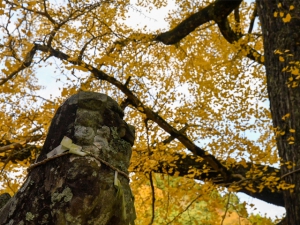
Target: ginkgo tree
<point>196,91</point>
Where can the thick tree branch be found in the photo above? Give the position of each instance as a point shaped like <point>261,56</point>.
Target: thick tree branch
<point>218,12</point>
<point>183,165</point>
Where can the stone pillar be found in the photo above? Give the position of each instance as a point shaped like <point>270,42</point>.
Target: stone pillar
<point>88,187</point>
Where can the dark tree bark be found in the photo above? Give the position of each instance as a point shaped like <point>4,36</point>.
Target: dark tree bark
<point>73,189</point>
<point>282,55</point>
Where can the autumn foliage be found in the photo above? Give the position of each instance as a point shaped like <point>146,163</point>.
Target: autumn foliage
<point>199,103</point>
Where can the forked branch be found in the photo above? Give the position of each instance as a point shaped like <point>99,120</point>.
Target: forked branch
<point>218,12</point>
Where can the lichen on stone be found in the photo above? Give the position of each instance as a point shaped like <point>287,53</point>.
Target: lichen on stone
<point>29,216</point>
<point>66,195</point>
<point>84,135</point>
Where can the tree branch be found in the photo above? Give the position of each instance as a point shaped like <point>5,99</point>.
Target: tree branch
<point>254,14</point>
<point>218,12</point>
<point>27,62</point>
<point>232,37</point>
<point>18,145</point>
<point>182,165</point>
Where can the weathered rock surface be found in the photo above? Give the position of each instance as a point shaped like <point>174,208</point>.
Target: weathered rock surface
<point>73,189</point>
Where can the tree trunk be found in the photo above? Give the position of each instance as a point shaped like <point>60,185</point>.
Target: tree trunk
<point>68,188</point>
<point>281,35</point>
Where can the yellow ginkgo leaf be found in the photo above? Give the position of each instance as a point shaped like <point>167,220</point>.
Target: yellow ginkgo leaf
<point>285,116</point>
<point>281,59</point>
<point>287,18</point>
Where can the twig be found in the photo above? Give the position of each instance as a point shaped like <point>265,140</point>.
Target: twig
<point>227,207</point>
<point>252,19</point>
<point>188,206</point>
<point>153,198</point>
<point>294,171</point>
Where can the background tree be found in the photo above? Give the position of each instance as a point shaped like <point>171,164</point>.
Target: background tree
<point>196,91</point>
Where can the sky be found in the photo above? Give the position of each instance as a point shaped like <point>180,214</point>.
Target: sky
<point>139,18</point>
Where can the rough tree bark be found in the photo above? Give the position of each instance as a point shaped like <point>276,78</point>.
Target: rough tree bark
<point>73,189</point>
<point>282,50</point>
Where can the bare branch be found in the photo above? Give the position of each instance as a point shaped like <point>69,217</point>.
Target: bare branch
<point>253,16</point>
<point>232,37</point>
<point>17,144</point>
<point>186,208</point>
<point>171,138</point>
<point>227,207</point>
<point>27,62</point>
<point>153,197</point>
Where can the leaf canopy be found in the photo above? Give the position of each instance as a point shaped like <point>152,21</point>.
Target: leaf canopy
<point>206,90</point>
